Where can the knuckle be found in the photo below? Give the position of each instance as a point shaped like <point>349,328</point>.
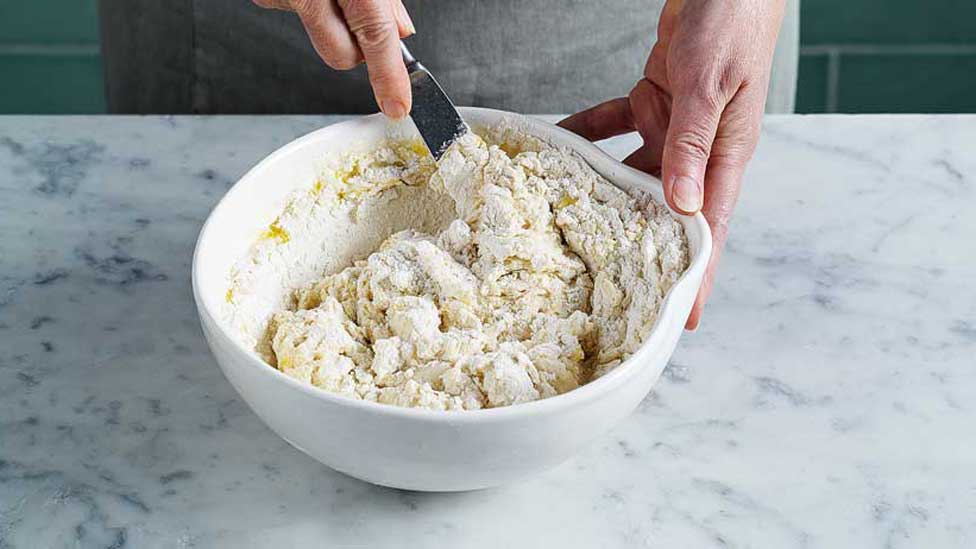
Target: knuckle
<point>374,33</point>
<point>369,22</point>
<point>694,143</point>
<point>708,94</point>
<point>729,78</point>
<point>711,88</point>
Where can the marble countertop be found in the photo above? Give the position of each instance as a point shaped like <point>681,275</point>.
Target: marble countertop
<point>828,400</point>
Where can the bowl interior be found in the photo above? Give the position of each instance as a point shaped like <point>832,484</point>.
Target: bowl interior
<point>261,195</point>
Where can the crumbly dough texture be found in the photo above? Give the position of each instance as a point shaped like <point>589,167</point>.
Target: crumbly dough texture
<point>549,277</point>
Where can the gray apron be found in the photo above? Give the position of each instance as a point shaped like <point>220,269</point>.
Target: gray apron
<point>529,56</point>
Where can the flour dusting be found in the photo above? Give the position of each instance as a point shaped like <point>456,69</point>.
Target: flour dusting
<point>508,272</point>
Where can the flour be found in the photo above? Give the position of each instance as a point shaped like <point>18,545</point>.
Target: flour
<point>546,276</point>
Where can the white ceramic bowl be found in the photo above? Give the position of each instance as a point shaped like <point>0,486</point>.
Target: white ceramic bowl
<point>410,448</point>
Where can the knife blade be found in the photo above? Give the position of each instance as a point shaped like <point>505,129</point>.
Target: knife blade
<point>435,116</point>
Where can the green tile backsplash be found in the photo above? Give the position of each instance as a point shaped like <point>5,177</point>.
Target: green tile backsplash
<point>907,83</point>
<point>893,22</point>
<point>811,96</point>
<point>857,56</point>
<point>51,84</point>
<point>48,22</point>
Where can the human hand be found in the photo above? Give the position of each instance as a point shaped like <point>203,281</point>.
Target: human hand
<point>346,32</point>
<point>698,109</point>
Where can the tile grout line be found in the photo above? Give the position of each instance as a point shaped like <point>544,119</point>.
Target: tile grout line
<point>833,81</point>
<point>73,50</point>
<point>889,49</point>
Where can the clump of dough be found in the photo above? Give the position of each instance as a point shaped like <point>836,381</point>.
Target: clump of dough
<point>549,276</point>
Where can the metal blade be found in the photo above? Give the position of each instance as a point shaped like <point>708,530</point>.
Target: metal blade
<point>432,112</point>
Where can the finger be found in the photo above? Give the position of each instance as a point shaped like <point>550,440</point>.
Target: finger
<point>404,23</point>
<point>605,120</point>
<point>722,184</point>
<point>734,143</point>
<point>656,68</point>
<point>373,25</point>
<point>694,319</point>
<point>651,108</point>
<point>688,144</point>
<point>328,32</point>
<point>645,159</point>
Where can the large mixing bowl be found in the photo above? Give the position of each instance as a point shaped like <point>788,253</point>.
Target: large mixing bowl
<point>411,448</point>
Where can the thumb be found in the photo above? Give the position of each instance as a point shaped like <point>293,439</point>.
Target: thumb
<point>687,146</point>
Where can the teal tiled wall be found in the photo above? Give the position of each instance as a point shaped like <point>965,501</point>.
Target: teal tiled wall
<point>50,83</point>
<point>48,22</point>
<point>49,60</point>
<point>887,56</point>
<point>811,89</point>
<point>856,56</point>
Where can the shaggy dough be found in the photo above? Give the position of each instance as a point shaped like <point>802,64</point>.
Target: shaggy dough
<point>549,276</point>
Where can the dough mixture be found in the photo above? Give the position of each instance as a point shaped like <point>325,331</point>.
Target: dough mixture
<point>548,277</point>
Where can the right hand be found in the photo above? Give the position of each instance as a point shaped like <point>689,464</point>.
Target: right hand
<point>347,32</point>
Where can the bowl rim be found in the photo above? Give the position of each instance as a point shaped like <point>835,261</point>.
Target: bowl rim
<point>582,394</point>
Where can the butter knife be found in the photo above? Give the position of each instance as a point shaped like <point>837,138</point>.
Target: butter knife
<point>432,112</point>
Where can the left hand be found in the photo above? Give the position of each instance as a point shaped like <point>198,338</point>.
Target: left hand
<point>698,108</point>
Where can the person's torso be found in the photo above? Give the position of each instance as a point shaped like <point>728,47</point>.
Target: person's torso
<point>527,56</point>
<point>229,56</point>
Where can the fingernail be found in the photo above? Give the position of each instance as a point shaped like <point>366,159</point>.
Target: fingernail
<point>394,108</point>
<point>686,195</point>
<point>406,18</point>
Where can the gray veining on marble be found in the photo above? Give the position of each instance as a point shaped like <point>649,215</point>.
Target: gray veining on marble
<point>829,399</point>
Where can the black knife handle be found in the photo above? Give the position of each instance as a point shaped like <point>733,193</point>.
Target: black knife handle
<point>408,59</point>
